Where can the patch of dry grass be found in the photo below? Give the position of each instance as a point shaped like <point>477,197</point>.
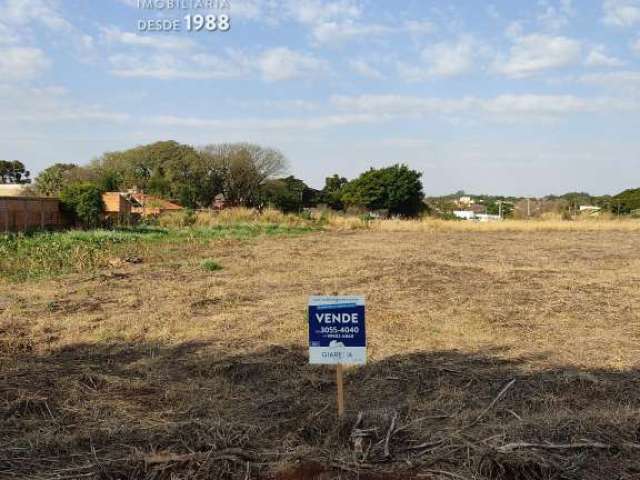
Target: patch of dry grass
<point>164,370</point>
<point>429,224</point>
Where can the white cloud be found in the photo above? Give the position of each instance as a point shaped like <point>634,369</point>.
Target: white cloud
<point>535,53</point>
<point>21,18</point>
<point>336,32</point>
<point>260,124</point>
<point>507,104</point>
<point>283,64</point>
<point>598,58</point>
<point>48,104</point>
<point>623,79</point>
<point>635,46</point>
<point>161,42</point>
<point>621,13</point>
<point>442,59</point>
<point>22,63</point>
<point>249,9</point>
<point>20,12</point>
<point>555,16</point>
<point>363,68</point>
<point>448,59</point>
<point>317,11</point>
<point>167,66</point>
<point>274,64</point>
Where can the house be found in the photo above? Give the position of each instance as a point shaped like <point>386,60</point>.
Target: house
<point>464,202</point>
<point>117,206</point>
<point>123,205</point>
<point>20,214</point>
<point>148,205</point>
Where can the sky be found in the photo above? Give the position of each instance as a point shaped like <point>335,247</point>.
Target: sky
<point>505,97</point>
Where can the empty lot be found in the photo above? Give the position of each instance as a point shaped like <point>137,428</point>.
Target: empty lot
<point>161,369</point>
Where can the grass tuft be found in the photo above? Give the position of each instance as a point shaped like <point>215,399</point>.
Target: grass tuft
<point>210,265</point>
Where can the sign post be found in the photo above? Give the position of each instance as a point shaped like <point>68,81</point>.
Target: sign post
<point>337,336</point>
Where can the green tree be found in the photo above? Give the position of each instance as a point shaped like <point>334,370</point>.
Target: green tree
<point>288,194</point>
<point>332,192</point>
<point>396,188</point>
<point>52,180</point>
<point>498,206</point>
<point>83,203</point>
<point>626,201</point>
<point>167,169</point>
<point>13,171</point>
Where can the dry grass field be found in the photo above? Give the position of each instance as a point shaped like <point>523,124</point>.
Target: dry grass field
<point>494,353</point>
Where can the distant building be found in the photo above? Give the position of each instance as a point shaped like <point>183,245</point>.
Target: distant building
<point>117,206</point>
<point>480,217</point>
<point>148,205</point>
<point>589,209</point>
<point>464,201</point>
<point>465,214</point>
<point>13,190</point>
<point>121,205</point>
<point>486,217</point>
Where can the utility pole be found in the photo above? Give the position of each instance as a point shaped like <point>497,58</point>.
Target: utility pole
<point>528,208</point>
<point>500,209</point>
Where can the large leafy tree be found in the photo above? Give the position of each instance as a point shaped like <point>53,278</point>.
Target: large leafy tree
<point>396,188</point>
<point>13,171</point>
<point>52,180</point>
<point>288,194</point>
<point>242,169</point>
<point>167,169</point>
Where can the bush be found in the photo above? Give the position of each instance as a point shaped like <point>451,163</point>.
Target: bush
<point>83,203</point>
<point>210,265</point>
<point>184,218</point>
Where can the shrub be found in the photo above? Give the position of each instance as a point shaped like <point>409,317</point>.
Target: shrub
<point>83,203</point>
<point>210,265</point>
<point>184,218</point>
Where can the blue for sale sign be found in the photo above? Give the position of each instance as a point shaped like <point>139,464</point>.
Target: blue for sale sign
<point>337,330</point>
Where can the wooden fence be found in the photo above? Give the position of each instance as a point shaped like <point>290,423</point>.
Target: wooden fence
<point>19,214</point>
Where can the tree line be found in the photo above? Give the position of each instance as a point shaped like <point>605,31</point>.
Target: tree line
<point>246,174</point>
<point>254,176</point>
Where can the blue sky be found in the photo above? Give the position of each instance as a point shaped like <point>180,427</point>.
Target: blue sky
<point>523,98</point>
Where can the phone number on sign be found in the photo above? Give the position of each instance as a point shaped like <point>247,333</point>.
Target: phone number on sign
<point>339,330</point>
<point>191,23</point>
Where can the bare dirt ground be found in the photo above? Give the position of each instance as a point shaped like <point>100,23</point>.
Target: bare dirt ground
<point>493,355</point>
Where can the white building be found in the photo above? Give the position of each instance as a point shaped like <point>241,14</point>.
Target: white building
<point>465,214</point>
<point>589,208</point>
<point>485,217</point>
<point>480,217</point>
